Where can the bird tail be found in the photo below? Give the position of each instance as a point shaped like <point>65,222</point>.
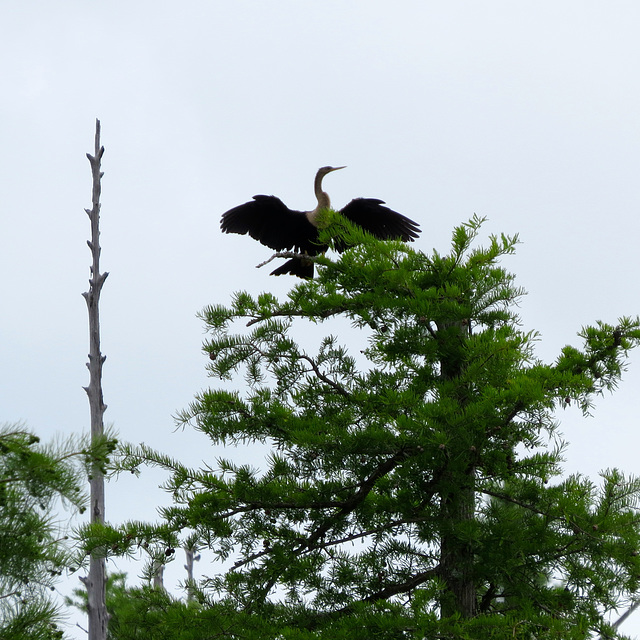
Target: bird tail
<point>296,267</point>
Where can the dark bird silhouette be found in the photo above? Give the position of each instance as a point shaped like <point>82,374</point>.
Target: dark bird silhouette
<point>269,221</point>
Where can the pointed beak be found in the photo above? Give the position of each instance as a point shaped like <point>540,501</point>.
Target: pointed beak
<point>336,168</point>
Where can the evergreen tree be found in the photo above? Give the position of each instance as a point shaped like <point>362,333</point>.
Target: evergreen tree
<point>413,487</point>
<point>33,554</point>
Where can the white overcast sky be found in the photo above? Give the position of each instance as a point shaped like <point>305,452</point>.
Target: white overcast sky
<point>524,112</point>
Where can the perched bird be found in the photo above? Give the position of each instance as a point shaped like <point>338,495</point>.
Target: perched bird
<point>268,220</point>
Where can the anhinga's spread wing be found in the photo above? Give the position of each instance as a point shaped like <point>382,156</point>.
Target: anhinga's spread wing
<point>379,221</point>
<point>269,221</point>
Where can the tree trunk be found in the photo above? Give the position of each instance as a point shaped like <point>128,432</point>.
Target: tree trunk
<point>96,581</point>
<point>458,498</point>
<point>456,555</point>
<point>191,558</point>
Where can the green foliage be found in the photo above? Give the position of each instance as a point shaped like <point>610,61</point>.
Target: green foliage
<point>412,489</point>
<point>33,478</point>
<point>140,613</point>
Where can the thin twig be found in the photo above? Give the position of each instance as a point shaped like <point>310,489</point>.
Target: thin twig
<point>622,618</point>
<point>340,389</point>
<point>288,254</point>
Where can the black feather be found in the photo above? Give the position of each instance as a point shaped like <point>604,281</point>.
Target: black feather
<point>379,221</point>
<point>269,221</point>
<point>295,267</point>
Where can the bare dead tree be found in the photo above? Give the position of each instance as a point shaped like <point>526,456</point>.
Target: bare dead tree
<point>158,575</point>
<point>96,581</point>
<point>191,558</point>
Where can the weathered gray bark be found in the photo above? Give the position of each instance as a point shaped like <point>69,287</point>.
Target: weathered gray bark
<point>158,577</point>
<point>96,581</point>
<point>191,558</point>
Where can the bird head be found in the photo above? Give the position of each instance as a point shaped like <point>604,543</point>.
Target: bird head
<point>322,171</point>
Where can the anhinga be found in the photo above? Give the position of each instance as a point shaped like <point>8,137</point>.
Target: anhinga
<point>268,220</point>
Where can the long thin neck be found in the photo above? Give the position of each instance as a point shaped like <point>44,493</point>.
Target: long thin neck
<point>323,198</point>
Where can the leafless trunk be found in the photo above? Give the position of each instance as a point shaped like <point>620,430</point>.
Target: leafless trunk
<point>158,576</point>
<point>96,581</point>
<point>191,557</point>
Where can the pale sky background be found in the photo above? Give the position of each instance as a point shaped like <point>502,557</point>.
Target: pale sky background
<point>525,112</point>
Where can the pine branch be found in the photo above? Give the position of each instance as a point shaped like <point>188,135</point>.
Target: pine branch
<point>356,499</point>
<point>334,385</point>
